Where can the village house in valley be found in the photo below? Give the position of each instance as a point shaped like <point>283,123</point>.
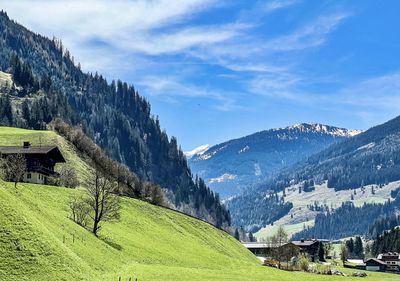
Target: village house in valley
<point>264,249</point>
<point>40,160</point>
<point>392,261</point>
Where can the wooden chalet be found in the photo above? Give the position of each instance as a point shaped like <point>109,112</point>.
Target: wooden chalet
<point>375,265</point>
<point>40,160</point>
<point>261,249</point>
<point>392,261</point>
<point>308,247</point>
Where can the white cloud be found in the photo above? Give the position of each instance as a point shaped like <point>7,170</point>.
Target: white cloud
<point>311,35</point>
<point>381,92</point>
<point>143,26</point>
<point>169,87</point>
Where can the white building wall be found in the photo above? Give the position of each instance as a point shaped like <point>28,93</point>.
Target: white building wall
<point>33,177</point>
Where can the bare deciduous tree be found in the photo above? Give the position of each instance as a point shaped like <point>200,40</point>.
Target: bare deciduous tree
<point>68,177</point>
<point>102,199</point>
<point>280,238</point>
<point>15,168</point>
<point>79,210</point>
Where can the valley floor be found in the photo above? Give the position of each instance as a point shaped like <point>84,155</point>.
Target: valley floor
<point>39,242</point>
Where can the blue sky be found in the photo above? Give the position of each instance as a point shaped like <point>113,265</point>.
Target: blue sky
<point>215,70</point>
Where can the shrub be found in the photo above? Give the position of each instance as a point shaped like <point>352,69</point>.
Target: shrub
<point>304,263</point>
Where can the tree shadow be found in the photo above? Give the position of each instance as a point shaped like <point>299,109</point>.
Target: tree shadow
<point>111,243</point>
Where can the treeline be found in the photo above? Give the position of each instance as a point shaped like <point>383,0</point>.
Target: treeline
<point>347,220</point>
<point>51,85</point>
<point>380,225</point>
<point>127,183</point>
<point>389,241</point>
<point>253,212</point>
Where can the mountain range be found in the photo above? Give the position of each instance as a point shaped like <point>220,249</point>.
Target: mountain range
<point>363,169</point>
<point>231,167</point>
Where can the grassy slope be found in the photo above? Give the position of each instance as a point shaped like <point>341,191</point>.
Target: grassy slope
<point>5,79</point>
<point>150,243</point>
<point>323,195</point>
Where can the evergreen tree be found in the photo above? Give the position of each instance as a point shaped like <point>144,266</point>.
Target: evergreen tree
<point>350,246</point>
<point>321,252</point>
<point>237,235</point>
<point>358,247</point>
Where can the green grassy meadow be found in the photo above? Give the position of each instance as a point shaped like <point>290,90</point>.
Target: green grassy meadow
<point>39,242</point>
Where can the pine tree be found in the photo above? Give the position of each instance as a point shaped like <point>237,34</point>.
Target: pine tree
<point>321,252</point>
<point>237,235</point>
<point>358,247</point>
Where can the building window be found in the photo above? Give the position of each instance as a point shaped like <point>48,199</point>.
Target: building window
<point>28,176</point>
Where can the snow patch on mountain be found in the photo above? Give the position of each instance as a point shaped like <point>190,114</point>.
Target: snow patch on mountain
<point>257,170</point>
<point>324,129</point>
<point>197,151</point>
<point>223,178</point>
<point>244,149</point>
<point>206,156</point>
<point>367,146</point>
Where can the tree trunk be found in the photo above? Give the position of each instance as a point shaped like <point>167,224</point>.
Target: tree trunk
<point>95,227</point>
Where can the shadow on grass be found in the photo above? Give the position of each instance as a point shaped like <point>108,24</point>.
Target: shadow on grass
<point>111,243</point>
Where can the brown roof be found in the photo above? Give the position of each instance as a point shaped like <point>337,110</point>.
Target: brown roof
<point>259,245</point>
<point>304,243</point>
<point>376,260</point>
<point>56,153</point>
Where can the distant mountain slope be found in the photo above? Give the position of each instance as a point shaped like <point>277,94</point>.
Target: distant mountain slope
<point>47,83</point>
<point>372,157</point>
<point>235,165</point>
<point>363,168</point>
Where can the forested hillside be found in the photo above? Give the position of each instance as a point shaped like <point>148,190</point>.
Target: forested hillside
<point>48,83</point>
<point>233,166</point>
<point>349,220</point>
<point>370,158</point>
<point>389,241</point>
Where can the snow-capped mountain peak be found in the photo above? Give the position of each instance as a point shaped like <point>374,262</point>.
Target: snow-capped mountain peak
<point>197,151</point>
<point>324,129</point>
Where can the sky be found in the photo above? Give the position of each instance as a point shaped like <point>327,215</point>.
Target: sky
<point>214,70</point>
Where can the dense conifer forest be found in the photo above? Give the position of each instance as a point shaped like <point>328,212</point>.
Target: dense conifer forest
<point>48,83</point>
<point>389,241</point>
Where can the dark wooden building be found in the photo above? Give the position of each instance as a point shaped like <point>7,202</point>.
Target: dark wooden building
<point>375,265</point>
<point>40,160</point>
<point>308,247</point>
<point>262,249</point>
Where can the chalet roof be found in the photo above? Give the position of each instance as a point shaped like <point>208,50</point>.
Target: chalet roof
<point>258,245</point>
<point>304,243</point>
<point>376,260</point>
<point>45,150</point>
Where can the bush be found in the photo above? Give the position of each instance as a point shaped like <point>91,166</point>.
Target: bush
<point>68,177</point>
<point>79,210</point>
<point>304,263</point>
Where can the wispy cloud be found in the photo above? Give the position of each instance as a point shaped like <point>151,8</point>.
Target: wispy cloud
<point>382,92</point>
<point>170,88</point>
<point>311,35</point>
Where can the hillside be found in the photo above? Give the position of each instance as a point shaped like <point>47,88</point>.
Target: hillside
<point>362,169</point>
<point>47,83</point>
<point>233,166</point>
<point>39,242</point>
